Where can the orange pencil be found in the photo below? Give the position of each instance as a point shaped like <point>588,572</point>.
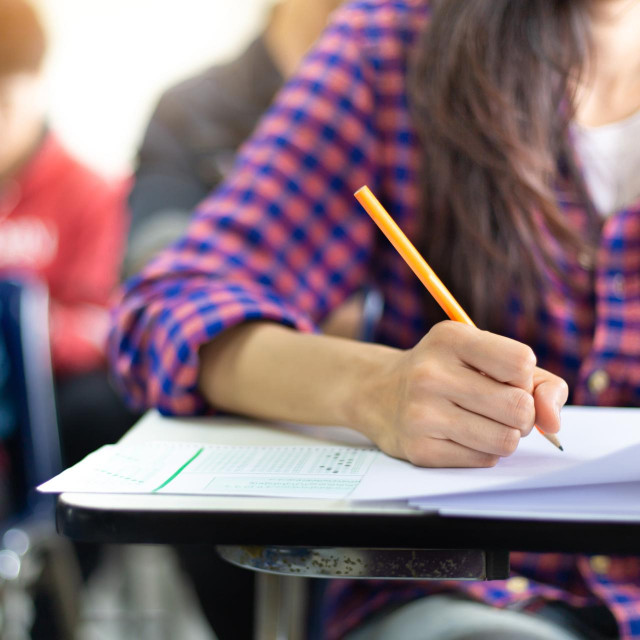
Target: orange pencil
<point>420,267</point>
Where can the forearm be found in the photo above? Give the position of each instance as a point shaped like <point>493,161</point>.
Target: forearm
<point>461,397</point>
<point>269,371</point>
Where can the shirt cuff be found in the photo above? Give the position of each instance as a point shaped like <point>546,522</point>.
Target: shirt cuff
<point>157,363</point>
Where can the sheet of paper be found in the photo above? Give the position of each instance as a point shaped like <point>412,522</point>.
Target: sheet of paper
<point>601,445</point>
<point>186,468</point>
<point>611,502</point>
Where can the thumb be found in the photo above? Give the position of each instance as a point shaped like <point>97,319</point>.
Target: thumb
<point>550,393</point>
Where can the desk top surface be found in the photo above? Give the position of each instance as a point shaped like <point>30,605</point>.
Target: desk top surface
<point>297,522</point>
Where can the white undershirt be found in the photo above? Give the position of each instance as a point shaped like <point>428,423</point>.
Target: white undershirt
<point>610,157</point>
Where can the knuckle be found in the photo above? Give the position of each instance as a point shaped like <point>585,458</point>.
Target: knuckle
<point>438,334</point>
<point>525,362</point>
<point>447,330</point>
<point>436,331</point>
<point>508,443</point>
<point>491,461</point>
<point>433,427</point>
<point>522,410</point>
<point>420,456</point>
<point>443,327</point>
<point>448,424</point>
<point>485,460</point>
<point>426,372</point>
<point>432,379</point>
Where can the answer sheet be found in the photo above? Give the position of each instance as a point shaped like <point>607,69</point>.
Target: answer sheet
<point>602,447</point>
<point>186,468</point>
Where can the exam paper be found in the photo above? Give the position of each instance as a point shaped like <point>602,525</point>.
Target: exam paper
<point>601,445</point>
<point>187,468</point>
<point>602,452</point>
<point>611,502</point>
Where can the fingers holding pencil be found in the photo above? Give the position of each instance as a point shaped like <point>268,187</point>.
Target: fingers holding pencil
<point>438,409</point>
<point>547,390</point>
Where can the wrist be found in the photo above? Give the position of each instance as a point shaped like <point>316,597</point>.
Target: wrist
<point>368,404</point>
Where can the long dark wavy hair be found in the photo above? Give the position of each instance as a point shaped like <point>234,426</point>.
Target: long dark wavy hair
<point>492,89</point>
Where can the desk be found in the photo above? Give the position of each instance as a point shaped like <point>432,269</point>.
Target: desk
<point>281,536</point>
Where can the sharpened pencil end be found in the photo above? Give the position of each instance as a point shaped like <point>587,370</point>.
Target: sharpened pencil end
<point>552,438</point>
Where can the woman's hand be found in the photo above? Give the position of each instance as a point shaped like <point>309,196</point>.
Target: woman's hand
<point>460,398</point>
<point>463,397</point>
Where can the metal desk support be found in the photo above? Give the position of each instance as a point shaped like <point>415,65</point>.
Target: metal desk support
<point>281,597</point>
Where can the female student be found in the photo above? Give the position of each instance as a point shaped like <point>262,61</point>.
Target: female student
<point>502,136</point>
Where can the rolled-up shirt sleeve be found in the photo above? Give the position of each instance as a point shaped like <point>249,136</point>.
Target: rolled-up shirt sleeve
<point>282,240</point>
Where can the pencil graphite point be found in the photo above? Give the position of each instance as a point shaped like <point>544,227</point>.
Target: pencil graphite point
<point>552,438</point>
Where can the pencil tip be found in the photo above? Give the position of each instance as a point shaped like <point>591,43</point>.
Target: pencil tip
<point>560,447</point>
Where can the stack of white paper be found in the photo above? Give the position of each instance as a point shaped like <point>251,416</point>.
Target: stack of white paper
<point>596,477</point>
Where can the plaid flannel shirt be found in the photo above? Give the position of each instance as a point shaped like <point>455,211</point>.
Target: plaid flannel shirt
<point>283,239</point>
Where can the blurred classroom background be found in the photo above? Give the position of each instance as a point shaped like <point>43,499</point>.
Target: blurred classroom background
<point>109,61</point>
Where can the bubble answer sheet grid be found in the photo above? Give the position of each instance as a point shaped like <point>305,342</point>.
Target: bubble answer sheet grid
<point>195,469</point>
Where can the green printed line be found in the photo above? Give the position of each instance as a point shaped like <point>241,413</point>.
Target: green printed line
<point>180,470</point>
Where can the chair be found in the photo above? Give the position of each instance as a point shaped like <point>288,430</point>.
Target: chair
<point>33,558</point>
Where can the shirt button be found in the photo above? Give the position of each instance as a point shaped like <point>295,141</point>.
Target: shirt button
<point>598,381</point>
<point>617,285</point>
<point>518,584</point>
<point>600,564</point>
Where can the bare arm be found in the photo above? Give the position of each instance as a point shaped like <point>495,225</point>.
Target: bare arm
<point>461,397</point>
<point>269,371</point>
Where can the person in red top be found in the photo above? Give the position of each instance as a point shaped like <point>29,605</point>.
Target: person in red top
<point>64,225</point>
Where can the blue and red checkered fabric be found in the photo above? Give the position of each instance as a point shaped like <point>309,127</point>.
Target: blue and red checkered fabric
<point>283,239</point>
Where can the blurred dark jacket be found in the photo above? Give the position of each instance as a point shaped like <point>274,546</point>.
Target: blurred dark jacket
<point>190,145</point>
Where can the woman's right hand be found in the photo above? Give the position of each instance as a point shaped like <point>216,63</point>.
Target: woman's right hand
<point>462,397</point>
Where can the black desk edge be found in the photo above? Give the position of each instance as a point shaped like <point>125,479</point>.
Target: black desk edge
<point>422,531</point>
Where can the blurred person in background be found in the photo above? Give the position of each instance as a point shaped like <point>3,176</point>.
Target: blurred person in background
<point>188,148</point>
<point>65,226</point>
<point>198,125</point>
